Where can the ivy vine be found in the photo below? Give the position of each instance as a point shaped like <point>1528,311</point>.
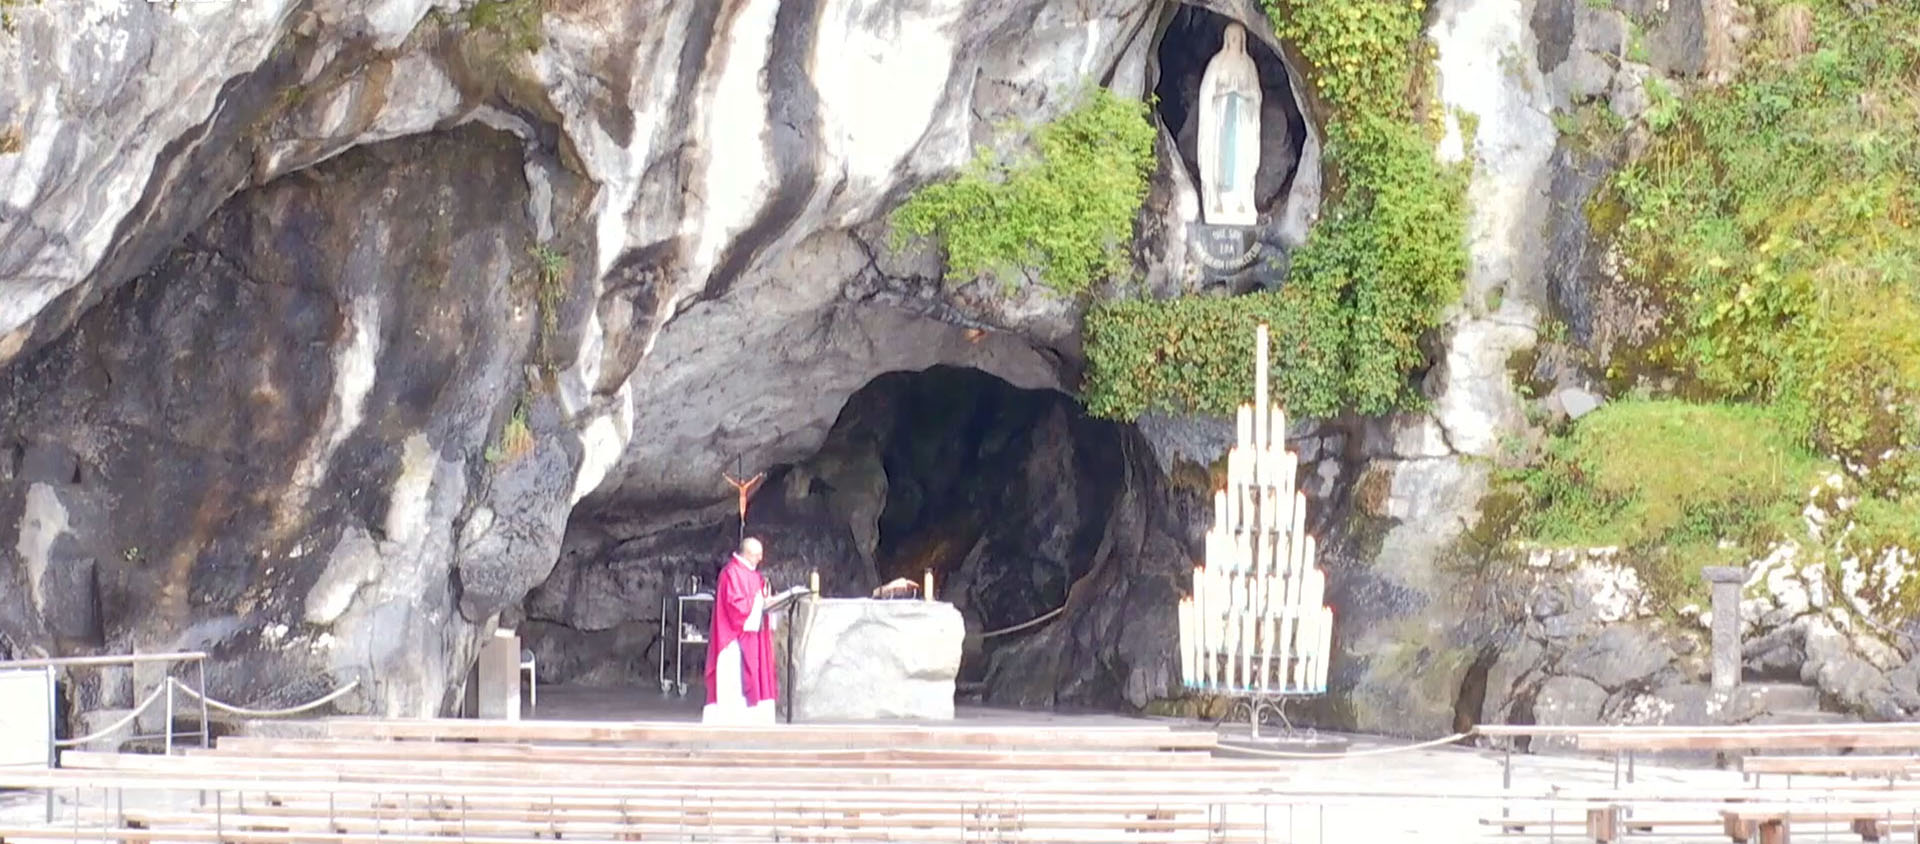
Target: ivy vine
<point>1373,277</point>
<point>1061,214</point>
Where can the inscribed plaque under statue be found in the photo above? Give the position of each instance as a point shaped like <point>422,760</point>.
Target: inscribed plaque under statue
<point>1229,143</point>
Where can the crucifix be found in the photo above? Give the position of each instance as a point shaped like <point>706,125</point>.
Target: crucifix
<point>746,489</point>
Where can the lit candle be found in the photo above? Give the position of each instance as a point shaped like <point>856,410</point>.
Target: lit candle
<point>1186,642</point>
<point>1323,649</point>
<point>927,592</point>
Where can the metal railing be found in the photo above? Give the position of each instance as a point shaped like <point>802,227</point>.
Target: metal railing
<point>163,693</point>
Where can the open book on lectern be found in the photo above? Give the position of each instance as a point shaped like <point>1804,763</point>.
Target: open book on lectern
<point>780,601</point>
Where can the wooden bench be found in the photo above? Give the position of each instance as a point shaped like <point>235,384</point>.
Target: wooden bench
<point>1773,824</point>
<point>1893,768</point>
<point>685,777</point>
<point>1142,824</point>
<point>731,757</point>
<point>1752,738</point>
<point>1601,825</point>
<point>1624,742</point>
<point>679,734</point>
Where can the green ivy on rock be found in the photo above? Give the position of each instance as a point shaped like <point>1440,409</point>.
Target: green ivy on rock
<point>1064,212</point>
<point>1777,221</point>
<point>1374,276</point>
<point>1803,292</point>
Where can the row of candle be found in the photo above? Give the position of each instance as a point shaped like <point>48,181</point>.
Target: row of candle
<point>1255,621</point>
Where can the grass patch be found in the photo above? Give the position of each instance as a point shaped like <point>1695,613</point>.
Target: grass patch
<point>1676,485</point>
<point>1374,276</point>
<point>551,267</point>
<point>1591,127</point>
<point>515,22</point>
<point>1060,214</point>
<point>1778,218</point>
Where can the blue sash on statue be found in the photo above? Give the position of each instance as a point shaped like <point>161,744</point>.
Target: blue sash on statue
<point>1230,142</point>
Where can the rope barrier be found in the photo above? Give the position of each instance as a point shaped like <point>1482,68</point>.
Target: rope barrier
<point>1382,751</point>
<point>115,726</point>
<point>268,713</point>
<point>1025,624</point>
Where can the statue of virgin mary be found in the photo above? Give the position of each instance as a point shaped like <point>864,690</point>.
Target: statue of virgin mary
<point>1229,142</point>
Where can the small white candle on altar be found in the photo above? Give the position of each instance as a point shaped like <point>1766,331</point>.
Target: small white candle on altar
<point>927,592</point>
<point>813,581</point>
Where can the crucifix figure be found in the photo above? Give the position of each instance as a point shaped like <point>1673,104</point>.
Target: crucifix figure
<point>746,489</point>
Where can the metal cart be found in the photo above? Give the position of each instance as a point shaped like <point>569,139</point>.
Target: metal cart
<point>682,638</point>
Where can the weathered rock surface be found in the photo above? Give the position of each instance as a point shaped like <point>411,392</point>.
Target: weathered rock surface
<point>859,659</point>
<point>332,336</point>
<point>296,456</point>
<point>1808,655</point>
<point>273,444</point>
<point>1424,603</point>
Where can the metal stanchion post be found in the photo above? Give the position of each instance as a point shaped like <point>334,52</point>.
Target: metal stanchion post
<point>168,741</point>
<point>1506,781</point>
<point>53,734</point>
<point>206,729</point>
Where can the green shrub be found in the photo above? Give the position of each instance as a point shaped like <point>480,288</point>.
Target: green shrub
<point>516,437</point>
<point>1373,277</point>
<point>1064,212</point>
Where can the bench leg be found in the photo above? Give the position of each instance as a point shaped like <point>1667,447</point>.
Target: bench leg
<point>1603,824</point>
<point>1739,831</point>
<point>1774,832</point>
<point>1869,829</point>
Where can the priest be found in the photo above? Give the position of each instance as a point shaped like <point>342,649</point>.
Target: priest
<point>741,681</point>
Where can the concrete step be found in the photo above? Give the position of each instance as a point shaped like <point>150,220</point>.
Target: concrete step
<point>1802,716</point>
<point>1776,697</point>
<point>94,720</point>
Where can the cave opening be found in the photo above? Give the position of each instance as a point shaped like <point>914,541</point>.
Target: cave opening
<point>1003,493</point>
<point>1190,40</point>
<point>1008,495</point>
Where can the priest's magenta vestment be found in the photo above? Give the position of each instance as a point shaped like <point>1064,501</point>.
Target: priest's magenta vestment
<point>741,680</point>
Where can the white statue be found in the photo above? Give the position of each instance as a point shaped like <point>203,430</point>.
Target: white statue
<point>1229,144</point>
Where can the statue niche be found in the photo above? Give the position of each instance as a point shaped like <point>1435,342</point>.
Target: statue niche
<point>1229,142</point>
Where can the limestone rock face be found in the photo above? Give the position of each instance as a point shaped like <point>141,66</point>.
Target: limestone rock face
<point>337,427</point>
<point>265,446</point>
<point>1426,623</point>
<point>333,335</point>
<point>858,660</point>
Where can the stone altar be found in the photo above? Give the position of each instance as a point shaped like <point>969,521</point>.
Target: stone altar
<point>499,677</point>
<point>856,659</point>
<point>26,717</point>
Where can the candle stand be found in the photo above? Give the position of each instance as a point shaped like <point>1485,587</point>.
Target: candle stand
<point>1255,627</point>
